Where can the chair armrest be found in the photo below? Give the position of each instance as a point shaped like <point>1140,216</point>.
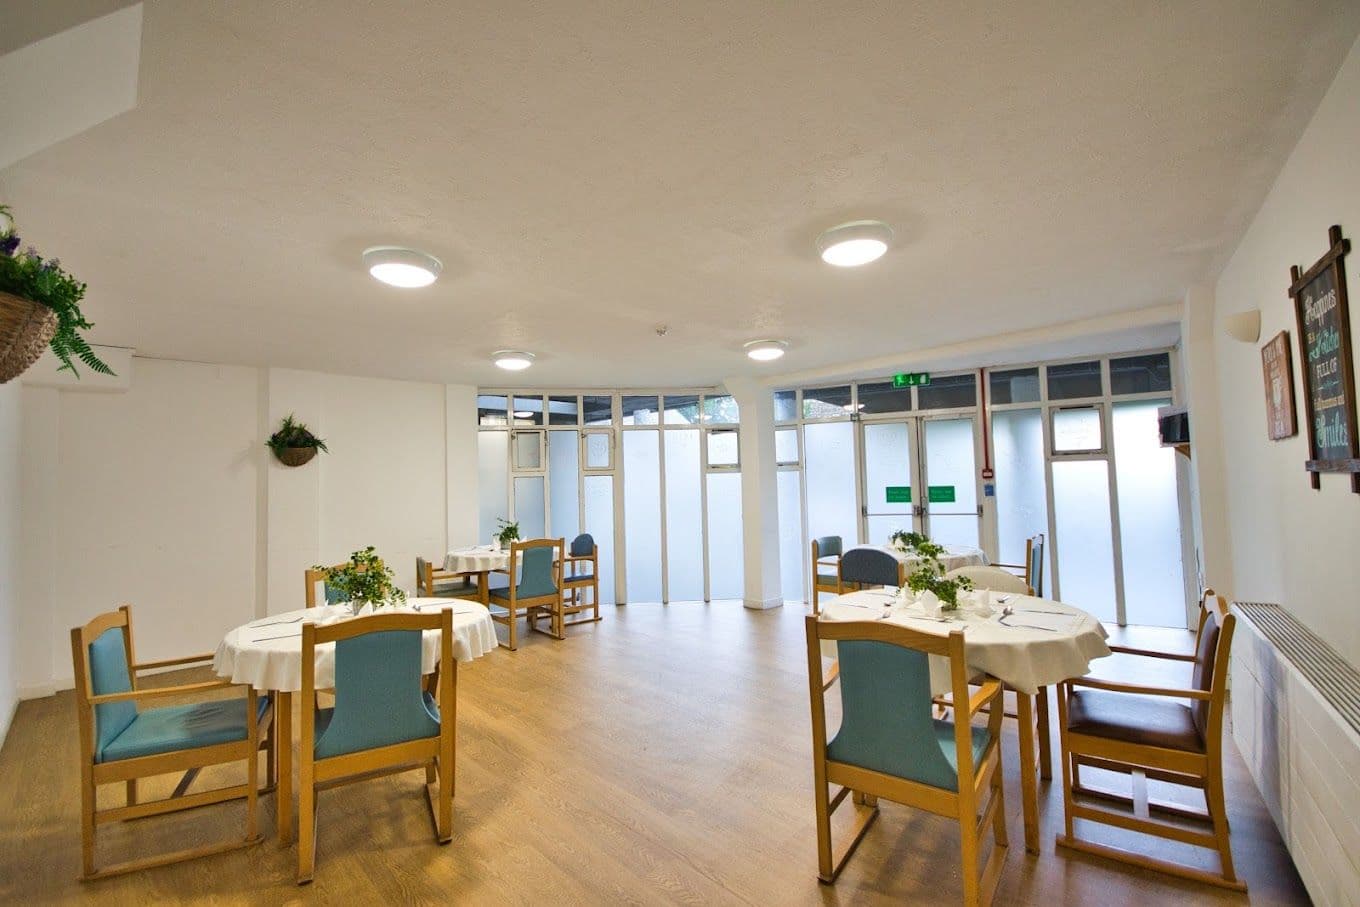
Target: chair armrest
<point>1113,687</point>
<point>160,692</point>
<point>1149,653</point>
<point>577,557</point>
<point>990,689</point>
<point>170,662</point>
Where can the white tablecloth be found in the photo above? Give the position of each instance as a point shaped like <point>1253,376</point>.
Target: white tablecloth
<point>954,556</point>
<point>477,559</point>
<point>267,653</point>
<point>1041,643</point>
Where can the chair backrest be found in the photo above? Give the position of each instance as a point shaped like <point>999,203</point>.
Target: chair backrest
<point>887,723</point>
<point>424,576</point>
<point>312,576</point>
<point>540,567</point>
<point>1210,673</point>
<point>379,697</point>
<point>827,546</point>
<point>991,578</point>
<point>1034,563</point>
<point>583,545</point>
<point>102,660</point>
<point>869,565</point>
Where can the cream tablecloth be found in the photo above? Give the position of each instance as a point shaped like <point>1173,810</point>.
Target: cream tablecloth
<point>477,559</point>
<point>267,653</point>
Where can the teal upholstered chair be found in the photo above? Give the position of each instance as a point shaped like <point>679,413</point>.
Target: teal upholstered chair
<point>534,575</point>
<point>313,576</point>
<point>581,572</point>
<point>384,720</point>
<point>120,741</point>
<point>826,567</point>
<point>889,744</point>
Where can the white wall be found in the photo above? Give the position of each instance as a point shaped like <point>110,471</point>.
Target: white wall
<point>9,552</point>
<point>1289,543</point>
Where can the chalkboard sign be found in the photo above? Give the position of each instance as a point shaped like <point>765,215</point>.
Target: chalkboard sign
<point>1328,372</point>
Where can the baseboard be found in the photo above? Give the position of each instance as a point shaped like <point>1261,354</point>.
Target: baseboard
<point>41,690</point>
<point>763,606</point>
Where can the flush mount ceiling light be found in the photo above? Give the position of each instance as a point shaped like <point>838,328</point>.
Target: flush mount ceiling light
<point>765,350</point>
<point>398,267</point>
<point>512,360</point>
<point>856,243</point>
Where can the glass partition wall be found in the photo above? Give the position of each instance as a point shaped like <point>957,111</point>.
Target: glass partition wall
<point>654,476</point>
<point>1075,455</point>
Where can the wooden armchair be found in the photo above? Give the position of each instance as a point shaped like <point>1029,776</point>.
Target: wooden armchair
<point>1032,570</point>
<point>313,576</point>
<point>826,568</point>
<point>535,584</point>
<point>436,582</point>
<point>120,742</point>
<point>1145,732</point>
<point>889,746</point>
<point>581,573</point>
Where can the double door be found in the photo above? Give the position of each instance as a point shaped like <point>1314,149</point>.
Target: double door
<point>920,473</point>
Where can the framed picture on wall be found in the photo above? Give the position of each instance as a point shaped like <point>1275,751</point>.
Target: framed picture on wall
<point>1278,367</point>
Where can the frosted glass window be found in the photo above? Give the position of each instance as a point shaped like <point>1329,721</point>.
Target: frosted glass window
<point>640,410</point>
<point>597,410</point>
<point>490,410</point>
<point>563,411</point>
<point>951,499</point>
<point>887,471</point>
<point>785,406</point>
<point>826,402</point>
<point>528,411</point>
<point>1077,430</point>
<point>599,449</point>
<point>829,470</point>
<point>684,518</point>
<point>948,392</point>
<point>528,450</point>
<point>1074,379</point>
<point>792,556</point>
<point>682,409</point>
<point>786,446</point>
<point>721,409</point>
<point>642,514</point>
<point>725,554</point>
<point>1149,517</point>
<point>493,477</point>
<point>599,513</point>
<point>882,397</point>
<point>564,515</point>
<point>723,449</point>
<point>1021,485</point>
<point>1015,386</point>
<point>1140,374</point>
<point>529,507</point>
<point>1085,549</point>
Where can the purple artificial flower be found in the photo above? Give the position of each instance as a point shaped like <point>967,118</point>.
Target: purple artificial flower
<point>52,265</point>
<point>32,254</point>
<point>8,243</point>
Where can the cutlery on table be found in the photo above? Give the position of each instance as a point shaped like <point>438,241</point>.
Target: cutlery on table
<point>276,623</point>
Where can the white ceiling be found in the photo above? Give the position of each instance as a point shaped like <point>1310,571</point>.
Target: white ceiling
<point>590,170</point>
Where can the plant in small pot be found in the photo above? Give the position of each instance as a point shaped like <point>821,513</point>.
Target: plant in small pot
<point>294,444</point>
<point>508,534</point>
<point>365,582</point>
<point>39,308</point>
<point>929,577</point>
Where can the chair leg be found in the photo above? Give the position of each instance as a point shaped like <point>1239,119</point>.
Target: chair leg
<point>825,869</point>
<point>1069,763</point>
<point>511,609</point>
<point>253,792</point>
<point>306,826</point>
<point>1213,796</point>
<point>87,826</point>
<point>968,846</point>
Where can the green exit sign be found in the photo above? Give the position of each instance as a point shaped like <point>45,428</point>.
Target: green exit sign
<point>911,379</point>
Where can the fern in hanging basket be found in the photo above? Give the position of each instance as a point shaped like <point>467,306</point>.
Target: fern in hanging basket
<point>33,279</point>
<point>294,444</point>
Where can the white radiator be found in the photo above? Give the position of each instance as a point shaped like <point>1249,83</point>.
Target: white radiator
<point>1296,720</point>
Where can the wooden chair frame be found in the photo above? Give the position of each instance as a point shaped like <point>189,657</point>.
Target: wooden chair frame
<point>818,561</point>
<point>435,754</point>
<point>575,586</point>
<point>1203,771</point>
<point>966,805</point>
<point>427,575</point>
<point>1026,573</point>
<point>513,603</point>
<point>189,761</point>
<point>312,576</point>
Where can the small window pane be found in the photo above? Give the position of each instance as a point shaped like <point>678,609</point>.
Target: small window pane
<point>786,446</point>
<point>528,450</point>
<point>1076,429</point>
<point>1016,386</point>
<point>639,411</point>
<point>948,392</point>
<point>598,410</point>
<point>1075,379</point>
<point>563,411</point>
<point>722,409</point>
<point>722,448</point>
<point>490,410</point>
<point>785,406</point>
<point>826,402</point>
<point>598,448</point>
<point>682,409</point>
<point>528,411</point>
<point>1140,374</point>
<point>883,398</point>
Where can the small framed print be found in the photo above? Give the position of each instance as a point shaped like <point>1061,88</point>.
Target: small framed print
<point>1278,367</point>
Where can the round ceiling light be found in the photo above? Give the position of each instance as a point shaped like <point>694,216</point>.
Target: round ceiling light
<point>400,267</point>
<point>765,350</point>
<point>512,360</point>
<point>853,244</point>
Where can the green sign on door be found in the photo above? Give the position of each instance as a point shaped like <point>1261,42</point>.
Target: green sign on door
<point>941,494</point>
<point>911,379</point>
<point>899,494</point>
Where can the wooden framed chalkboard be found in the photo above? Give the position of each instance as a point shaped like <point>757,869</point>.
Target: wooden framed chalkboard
<point>1328,371</point>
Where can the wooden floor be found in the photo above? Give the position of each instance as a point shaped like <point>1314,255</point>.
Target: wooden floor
<point>661,756</point>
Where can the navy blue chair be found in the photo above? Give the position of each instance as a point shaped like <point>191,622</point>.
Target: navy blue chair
<point>123,742</point>
<point>384,720</point>
<point>534,577</point>
<point>826,567</point>
<point>870,567</point>
<point>889,744</point>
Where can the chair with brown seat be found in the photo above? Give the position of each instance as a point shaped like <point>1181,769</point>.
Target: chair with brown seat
<point>1032,570</point>
<point>120,742</point>
<point>888,745</point>
<point>1145,732</point>
<point>436,582</point>
<point>826,568</point>
<point>534,577</point>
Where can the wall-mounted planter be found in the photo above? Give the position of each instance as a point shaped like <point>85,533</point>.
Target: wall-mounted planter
<point>295,456</point>
<point>26,328</point>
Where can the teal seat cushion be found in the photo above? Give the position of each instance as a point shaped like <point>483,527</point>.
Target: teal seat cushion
<point>181,727</point>
<point>944,732</point>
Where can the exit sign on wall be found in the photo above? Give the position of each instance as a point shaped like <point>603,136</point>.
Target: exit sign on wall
<point>911,379</point>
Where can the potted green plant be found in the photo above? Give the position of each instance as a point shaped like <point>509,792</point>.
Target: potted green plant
<point>508,534</point>
<point>365,582</point>
<point>929,577</point>
<point>294,444</point>
<point>39,308</point>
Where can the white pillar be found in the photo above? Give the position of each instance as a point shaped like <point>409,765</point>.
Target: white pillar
<point>759,494</point>
<point>1200,394</point>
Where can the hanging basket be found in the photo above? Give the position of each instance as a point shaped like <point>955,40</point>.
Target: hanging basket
<point>26,327</point>
<point>296,456</point>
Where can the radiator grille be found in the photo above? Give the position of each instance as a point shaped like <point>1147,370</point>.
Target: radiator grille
<point>1334,678</point>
